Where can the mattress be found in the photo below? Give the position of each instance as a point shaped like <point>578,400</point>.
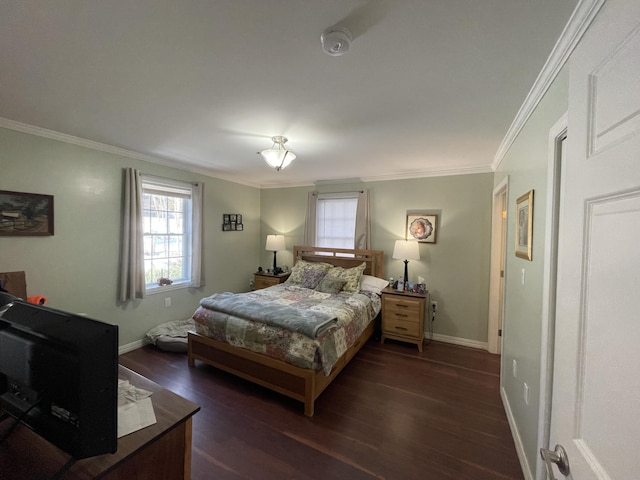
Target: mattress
<point>352,311</point>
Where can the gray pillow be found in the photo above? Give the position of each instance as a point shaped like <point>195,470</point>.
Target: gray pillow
<point>330,284</point>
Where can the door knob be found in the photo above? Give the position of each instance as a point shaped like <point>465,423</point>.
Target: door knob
<point>557,456</point>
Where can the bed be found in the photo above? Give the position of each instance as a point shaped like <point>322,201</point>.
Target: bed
<point>297,378</point>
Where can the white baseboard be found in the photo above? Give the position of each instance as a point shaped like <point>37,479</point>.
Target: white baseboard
<point>465,342</point>
<point>524,464</point>
<point>132,346</point>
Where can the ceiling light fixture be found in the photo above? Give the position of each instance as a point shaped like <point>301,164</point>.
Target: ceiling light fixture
<point>335,41</point>
<point>278,156</point>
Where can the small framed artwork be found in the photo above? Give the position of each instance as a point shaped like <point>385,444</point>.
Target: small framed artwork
<point>232,222</point>
<point>25,214</point>
<point>422,227</point>
<point>524,226</point>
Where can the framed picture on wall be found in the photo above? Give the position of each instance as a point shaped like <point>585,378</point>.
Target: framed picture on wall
<point>25,214</point>
<point>524,226</point>
<point>422,227</point>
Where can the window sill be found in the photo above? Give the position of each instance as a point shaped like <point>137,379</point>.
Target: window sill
<point>166,288</point>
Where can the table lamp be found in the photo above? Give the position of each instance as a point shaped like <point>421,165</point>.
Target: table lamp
<point>406,250</point>
<point>275,243</point>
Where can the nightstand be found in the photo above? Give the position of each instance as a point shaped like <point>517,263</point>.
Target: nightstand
<point>403,316</point>
<point>264,280</point>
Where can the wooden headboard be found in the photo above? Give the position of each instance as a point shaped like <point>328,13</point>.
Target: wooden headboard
<point>342,257</point>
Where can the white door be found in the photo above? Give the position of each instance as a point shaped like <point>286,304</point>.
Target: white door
<point>596,384</point>
<point>496,279</point>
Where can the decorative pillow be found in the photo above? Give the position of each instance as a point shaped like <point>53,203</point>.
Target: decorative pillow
<point>311,277</point>
<point>297,271</point>
<point>372,284</point>
<point>351,275</point>
<point>330,284</point>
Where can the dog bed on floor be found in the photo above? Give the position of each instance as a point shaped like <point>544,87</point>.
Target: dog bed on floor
<point>171,336</point>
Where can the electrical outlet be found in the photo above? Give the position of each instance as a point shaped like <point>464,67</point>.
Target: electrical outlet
<point>167,302</point>
<point>434,306</point>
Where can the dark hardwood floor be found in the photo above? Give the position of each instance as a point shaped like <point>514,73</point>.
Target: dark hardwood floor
<point>393,413</point>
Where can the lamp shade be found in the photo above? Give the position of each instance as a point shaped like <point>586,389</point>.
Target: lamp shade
<point>406,250</point>
<point>275,243</point>
<point>278,156</point>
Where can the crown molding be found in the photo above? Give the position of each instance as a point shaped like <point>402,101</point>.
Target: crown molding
<point>580,20</point>
<point>123,152</point>
<point>444,172</point>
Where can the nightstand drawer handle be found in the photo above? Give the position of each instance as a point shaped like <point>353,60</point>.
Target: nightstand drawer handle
<point>400,328</point>
<point>402,305</point>
<point>401,315</point>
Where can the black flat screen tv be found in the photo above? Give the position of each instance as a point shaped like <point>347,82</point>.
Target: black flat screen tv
<point>59,376</point>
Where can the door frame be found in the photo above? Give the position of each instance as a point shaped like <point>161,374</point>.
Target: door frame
<point>498,258</point>
<point>557,135</point>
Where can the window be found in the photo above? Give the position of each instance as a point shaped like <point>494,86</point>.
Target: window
<point>168,213</point>
<point>336,220</point>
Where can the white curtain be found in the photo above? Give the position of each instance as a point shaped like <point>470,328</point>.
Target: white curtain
<point>132,283</point>
<point>197,274</point>
<point>362,230</point>
<point>363,225</point>
<point>310,222</point>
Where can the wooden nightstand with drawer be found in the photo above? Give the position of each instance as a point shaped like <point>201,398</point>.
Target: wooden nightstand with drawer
<point>403,316</point>
<point>264,280</point>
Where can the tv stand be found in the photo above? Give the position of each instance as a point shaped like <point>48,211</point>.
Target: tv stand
<point>160,451</point>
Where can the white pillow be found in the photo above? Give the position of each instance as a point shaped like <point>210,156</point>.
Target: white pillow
<point>372,284</point>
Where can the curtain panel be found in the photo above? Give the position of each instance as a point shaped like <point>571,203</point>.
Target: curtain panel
<point>132,283</point>
<point>311,219</point>
<point>362,237</point>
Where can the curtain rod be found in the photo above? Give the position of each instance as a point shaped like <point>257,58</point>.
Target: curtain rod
<point>174,180</point>
<point>338,193</point>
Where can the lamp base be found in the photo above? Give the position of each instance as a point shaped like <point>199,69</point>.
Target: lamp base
<point>406,274</point>
<point>276,270</point>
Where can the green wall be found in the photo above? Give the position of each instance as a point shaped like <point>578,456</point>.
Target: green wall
<point>456,268</point>
<point>526,165</point>
<point>77,268</point>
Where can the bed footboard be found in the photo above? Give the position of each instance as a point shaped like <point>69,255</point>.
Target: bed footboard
<point>301,384</point>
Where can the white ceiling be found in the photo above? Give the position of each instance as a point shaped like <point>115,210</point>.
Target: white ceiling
<point>429,87</point>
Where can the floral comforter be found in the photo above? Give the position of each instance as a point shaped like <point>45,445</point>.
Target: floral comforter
<point>353,312</point>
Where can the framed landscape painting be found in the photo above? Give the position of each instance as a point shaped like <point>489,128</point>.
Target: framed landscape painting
<point>25,214</point>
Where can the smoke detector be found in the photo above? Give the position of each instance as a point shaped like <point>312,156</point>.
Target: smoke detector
<point>335,41</point>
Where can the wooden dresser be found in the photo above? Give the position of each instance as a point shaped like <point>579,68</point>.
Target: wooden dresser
<point>403,316</point>
<point>264,280</point>
<point>161,451</point>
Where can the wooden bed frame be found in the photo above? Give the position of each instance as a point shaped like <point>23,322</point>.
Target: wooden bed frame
<point>304,385</point>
